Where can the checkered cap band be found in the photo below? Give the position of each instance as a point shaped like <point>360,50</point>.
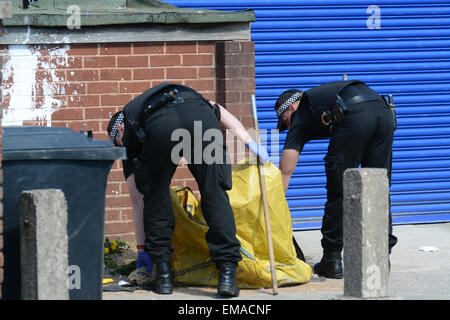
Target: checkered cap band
<point>287,103</point>
<point>115,127</point>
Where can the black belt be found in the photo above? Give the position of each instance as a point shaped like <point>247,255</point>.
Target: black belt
<point>362,98</point>
<point>169,96</point>
<point>343,105</point>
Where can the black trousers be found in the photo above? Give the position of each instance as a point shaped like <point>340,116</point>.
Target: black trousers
<point>213,179</point>
<point>364,137</point>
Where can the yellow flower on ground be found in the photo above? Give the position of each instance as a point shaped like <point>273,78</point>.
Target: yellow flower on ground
<point>106,250</point>
<point>113,245</point>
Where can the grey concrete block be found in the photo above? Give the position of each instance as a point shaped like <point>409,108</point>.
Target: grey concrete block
<point>365,227</point>
<point>43,245</point>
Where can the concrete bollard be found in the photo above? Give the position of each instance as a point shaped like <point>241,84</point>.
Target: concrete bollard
<point>43,245</point>
<point>365,227</point>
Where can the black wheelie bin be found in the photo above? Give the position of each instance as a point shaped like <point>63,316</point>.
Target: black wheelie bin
<point>61,158</point>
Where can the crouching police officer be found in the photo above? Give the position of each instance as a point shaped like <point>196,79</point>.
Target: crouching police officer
<point>360,126</point>
<point>149,122</point>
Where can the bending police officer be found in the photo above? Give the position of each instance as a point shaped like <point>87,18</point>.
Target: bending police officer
<point>150,121</point>
<point>360,126</point>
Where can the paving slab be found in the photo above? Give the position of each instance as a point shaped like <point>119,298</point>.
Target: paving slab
<point>415,274</point>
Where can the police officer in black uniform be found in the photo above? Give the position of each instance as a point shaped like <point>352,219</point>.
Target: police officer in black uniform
<point>360,126</point>
<point>150,119</point>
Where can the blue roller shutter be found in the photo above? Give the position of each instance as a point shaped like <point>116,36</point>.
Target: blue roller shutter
<point>398,47</point>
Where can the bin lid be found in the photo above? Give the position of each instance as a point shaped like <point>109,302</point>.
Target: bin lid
<point>39,143</point>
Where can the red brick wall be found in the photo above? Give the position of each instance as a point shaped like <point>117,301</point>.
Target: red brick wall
<point>235,70</point>
<point>90,82</point>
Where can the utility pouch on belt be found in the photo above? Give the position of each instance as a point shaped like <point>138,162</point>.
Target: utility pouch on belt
<point>337,113</point>
<point>339,109</point>
<point>138,130</point>
<point>140,175</point>
<point>392,107</point>
<point>161,101</point>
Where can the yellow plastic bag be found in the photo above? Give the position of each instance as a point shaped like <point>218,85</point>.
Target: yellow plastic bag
<point>191,262</point>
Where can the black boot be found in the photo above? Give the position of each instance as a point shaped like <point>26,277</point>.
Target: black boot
<point>163,278</point>
<point>330,266</point>
<point>228,286</point>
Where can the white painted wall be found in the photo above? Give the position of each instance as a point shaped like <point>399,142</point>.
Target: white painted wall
<point>21,65</point>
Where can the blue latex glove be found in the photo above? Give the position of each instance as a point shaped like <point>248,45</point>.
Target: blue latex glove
<point>143,260</point>
<point>259,150</point>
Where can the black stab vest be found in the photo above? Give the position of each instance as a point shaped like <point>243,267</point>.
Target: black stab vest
<point>134,110</point>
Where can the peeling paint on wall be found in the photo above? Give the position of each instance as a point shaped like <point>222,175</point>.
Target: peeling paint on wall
<point>31,84</point>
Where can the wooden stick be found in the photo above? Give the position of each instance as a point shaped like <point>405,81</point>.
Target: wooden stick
<point>262,184</point>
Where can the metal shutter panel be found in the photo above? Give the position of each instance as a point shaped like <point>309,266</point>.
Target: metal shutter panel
<point>307,43</point>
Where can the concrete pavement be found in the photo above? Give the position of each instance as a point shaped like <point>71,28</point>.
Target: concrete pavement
<point>415,274</point>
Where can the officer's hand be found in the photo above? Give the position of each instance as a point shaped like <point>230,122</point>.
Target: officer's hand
<point>143,260</point>
<point>259,150</point>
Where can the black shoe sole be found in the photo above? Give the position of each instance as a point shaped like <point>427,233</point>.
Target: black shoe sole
<point>326,274</point>
<point>164,290</point>
<point>228,291</point>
